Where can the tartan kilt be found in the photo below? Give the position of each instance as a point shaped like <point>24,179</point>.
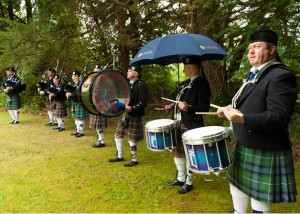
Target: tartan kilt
<point>264,175</point>
<point>49,105</point>
<point>179,147</point>
<point>97,121</point>
<point>134,131</point>
<point>78,112</point>
<point>60,109</point>
<point>13,101</point>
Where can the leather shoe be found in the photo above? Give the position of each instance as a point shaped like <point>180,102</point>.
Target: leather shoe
<point>175,183</point>
<point>116,159</point>
<point>131,163</point>
<point>185,189</point>
<point>74,134</point>
<point>61,129</point>
<point>98,145</point>
<point>79,135</point>
<point>56,128</point>
<point>16,122</point>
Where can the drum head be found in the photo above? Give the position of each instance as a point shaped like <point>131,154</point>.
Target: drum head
<point>205,134</point>
<point>110,93</point>
<point>159,123</point>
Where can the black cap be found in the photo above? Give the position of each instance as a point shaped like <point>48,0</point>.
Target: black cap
<point>264,35</point>
<point>135,68</point>
<point>191,60</point>
<point>11,69</point>
<point>77,73</point>
<point>97,68</point>
<point>52,70</point>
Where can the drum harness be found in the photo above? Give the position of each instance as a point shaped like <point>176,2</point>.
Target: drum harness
<point>177,111</point>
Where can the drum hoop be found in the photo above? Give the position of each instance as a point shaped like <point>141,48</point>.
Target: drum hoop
<point>160,128</point>
<point>192,140</point>
<point>95,112</point>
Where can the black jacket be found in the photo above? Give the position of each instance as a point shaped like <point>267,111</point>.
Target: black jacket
<point>138,99</point>
<point>267,106</point>
<point>198,99</point>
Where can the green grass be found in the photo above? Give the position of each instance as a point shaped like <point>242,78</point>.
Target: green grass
<point>43,170</point>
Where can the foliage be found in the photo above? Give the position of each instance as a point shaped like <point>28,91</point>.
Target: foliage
<point>294,128</point>
<point>34,34</point>
<point>159,82</point>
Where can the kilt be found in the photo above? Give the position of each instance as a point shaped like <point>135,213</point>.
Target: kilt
<point>134,131</point>
<point>49,105</point>
<point>78,112</point>
<point>60,109</point>
<point>13,101</point>
<point>178,147</point>
<point>264,175</point>
<point>97,121</point>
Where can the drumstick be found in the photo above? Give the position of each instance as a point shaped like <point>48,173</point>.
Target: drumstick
<point>215,106</point>
<point>233,112</point>
<point>159,109</point>
<point>174,101</point>
<point>206,113</point>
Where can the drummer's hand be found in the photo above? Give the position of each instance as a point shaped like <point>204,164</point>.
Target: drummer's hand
<point>51,95</point>
<point>169,107</point>
<point>183,106</point>
<point>68,95</point>
<point>42,92</point>
<point>128,109</point>
<point>233,114</point>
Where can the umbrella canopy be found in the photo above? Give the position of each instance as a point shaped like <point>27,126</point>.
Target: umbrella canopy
<point>173,48</point>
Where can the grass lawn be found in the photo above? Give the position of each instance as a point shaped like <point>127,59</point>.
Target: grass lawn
<point>42,170</point>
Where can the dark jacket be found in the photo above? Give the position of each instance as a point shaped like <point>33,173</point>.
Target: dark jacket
<point>138,99</point>
<point>198,97</point>
<point>267,106</point>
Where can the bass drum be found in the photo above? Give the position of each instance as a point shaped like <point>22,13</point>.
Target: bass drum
<point>99,93</point>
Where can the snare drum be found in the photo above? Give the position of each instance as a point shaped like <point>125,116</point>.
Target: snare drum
<point>206,149</point>
<point>97,92</point>
<point>160,134</point>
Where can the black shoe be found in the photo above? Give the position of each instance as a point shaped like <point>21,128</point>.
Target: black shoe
<point>98,145</point>
<point>12,122</point>
<point>185,189</point>
<point>116,159</point>
<point>61,129</point>
<point>56,128</point>
<point>131,163</point>
<point>16,122</point>
<point>175,183</point>
<point>74,134</point>
<point>79,135</point>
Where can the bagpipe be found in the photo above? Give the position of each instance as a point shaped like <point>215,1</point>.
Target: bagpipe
<point>16,83</point>
<point>73,87</point>
<point>42,85</point>
<point>62,82</point>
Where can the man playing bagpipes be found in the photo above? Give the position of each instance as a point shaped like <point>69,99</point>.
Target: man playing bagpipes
<point>78,112</point>
<point>12,87</point>
<point>58,96</point>
<point>42,87</point>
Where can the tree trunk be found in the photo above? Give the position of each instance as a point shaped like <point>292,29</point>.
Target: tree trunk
<point>28,10</point>
<point>10,10</point>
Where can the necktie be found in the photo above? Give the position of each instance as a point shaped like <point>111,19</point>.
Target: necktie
<point>252,74</point>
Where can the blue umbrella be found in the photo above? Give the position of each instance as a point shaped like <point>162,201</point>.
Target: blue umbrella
<point>173,48</point>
